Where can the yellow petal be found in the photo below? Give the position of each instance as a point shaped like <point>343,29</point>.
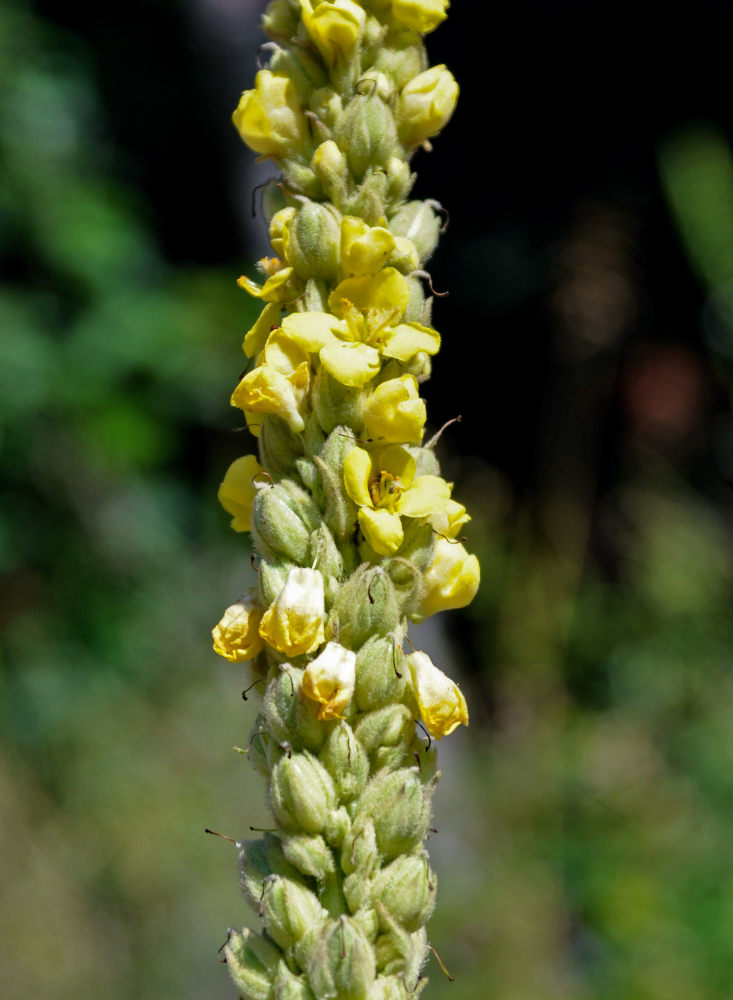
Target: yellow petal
<point>357,472</point>
<point>387,290</point>
<point>395,412</point>
<point>450,581</point>
<point>420,15</point>
<point>440,701</point>
<point>283,354</point>
<point>381,529</point>
<point>329,680</point>
<point>311,330</point>
<point>255,338</point>
<point>350,364</point>
<point>398,462</point>
<point>364,248</point>
<point>450,519</point>
<point>238,490</point>
<point>426,495</point>
<point>266,390</point>
<point>236,637</point>
<point>406,339</point>
<point>293,624</point>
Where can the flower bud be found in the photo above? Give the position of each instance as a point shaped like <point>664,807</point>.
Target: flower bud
<point>272,576</point>
<point>399,953</point>
<point>380,673</point>
<point>450,581</point>
<point>342,964</point>
<point>327,106</point>
<point>236,637</point>
<point>404,256</point>
<point>337,826</point>
<point>401,58</point>
<point>360,852</point>
<point>280,19</point>
<point>329,680</point>
<point>330,167</point>
<point>278,224</point>
<point>420,15</point>
<point>288,986</point>
<point>366,606</point>
<point>389,988</point>
<point>257,860</point>
<point>283,517</point>
<point>364,249</point>
<point>310,855</point>
<point>335,403</point>
<point>346,761</point>
<point>399,180</point>
<point>374,82</point>
<point>335,27</point>
<point>251,960</point>
<point>258,748</point>
<point>406,888</point>
<point>441,703</point>
<point>418,222</point>
<point>301,793</point>
<point>399,809</point>
<point>269,118</point>
<point>237,491</point>
<point>367,133</point>
<point>426,105</point>
<point>279,446</point>
<point>289,910</point>
<point>291,718</point>
<point>395,413</point>
<point>294,623</point>
<point>388,726</point>
<point>311,241</point>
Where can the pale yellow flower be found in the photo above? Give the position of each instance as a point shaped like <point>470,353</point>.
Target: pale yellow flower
<point>420,15</point>
<point>237,636</point>
<point>450,581</point>
<point>395,413</point>
<point>238,490</point>
<point>439,699</point>
<point>426,105</point>
<point>335,27</point>
<point>270,118</point>
<point>364,249</point>
<point>293,624</point>
<point>279,384</point>
<point>329,679</point>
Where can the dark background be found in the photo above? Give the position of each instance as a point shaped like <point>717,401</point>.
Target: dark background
<point>586,815</point>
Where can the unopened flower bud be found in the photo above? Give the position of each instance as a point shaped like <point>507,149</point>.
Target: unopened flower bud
<point>269,118</point>
<point>360,852</point>
<point>252,961</point>
<point>288,986</point>
<point>330,167</point>
<point>388,726</point>
<point>294,623</point>
<point>329,680</point>
<point>440,700</point>
<point>335,403</point>
<point>278,224</point>
<point>337,826</point>
<point>257,860</point>
<point>280,19</point>
<point>335,26</point>
<point>380,673</point>
<point>283,517</point>
<point>342,965</point>
<point>450,581</point>
<point>406,888</point>
<point>418,222</point>
<point>401,58</point>
<point>389,988</point>
<point>301,793</point>
<point>289,910</point>
<point>312,241</point>
<point>399,809</point>
<point>395,413</point>
<point>426,105</point>
<point>310,855</point>
<point>291,718</point>
<point>364,249</point>
<point>366,606</point>
<point>367,133</point>
<point>236,637</point>
<point>421,15</point>
<point>280,447</point>
<point>346,761</point>
<point>374,82</point>
<point>404,256</point>
<point>399,180</point>
<point>238,490</point>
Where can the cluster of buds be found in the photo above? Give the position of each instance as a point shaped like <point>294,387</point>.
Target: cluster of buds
<point>356,531</point>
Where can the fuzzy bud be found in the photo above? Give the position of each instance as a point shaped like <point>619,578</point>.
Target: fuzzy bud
<point>311,241</point>
<point>398,808</point>
<point>236,637</point>
<point>283,517</point>
<point>402,58</point>
<point>367,133</point>
<point>417,222</point>
<point>310,855</point>
<point>380,673</point>
<point>342,965</point>
<point>251,960</point>
<point>257,860</point>
<point>366,606</point>
<point>289,910</point>
<point>426,105</point>
<point>290,717</point>
<point>335,26</point>
<point>329,680</point>
<point>330,167</point>
<point>301,793</point>
<point>360,852</point>
<point>406,888</point>
<point>335,403</point>
<point>288,986</point>
<point>385,727</point>
<point>346,761</point>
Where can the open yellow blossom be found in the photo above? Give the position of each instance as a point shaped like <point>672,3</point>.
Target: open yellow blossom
<point>329,679</point>
<point>420,15</point>
<point>237,636</point>
<point>450,581</point>
<point>335,26</point>
<point>395,413</point>
<point>279,383</point>
<point>385,487</point>
<point>283,285</point>
<point>293,624</point>
<point>238,490</point>
<point>439,699</point>
<point>364,249</point>
<point>270,118</point>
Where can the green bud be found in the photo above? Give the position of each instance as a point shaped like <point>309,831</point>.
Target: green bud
<point>283,517</point>
<point>388,727</point>
<point>340,510</point>
<point>311,241</point>
<point>290,716</point>
<point>326,104</point>
<point>398,952</point>
<point>376,82</point>
<point>307,471</point>
<point>279,446</point>
<point>368,200</point>
<point>357,891</point>
<point>401,57</point>
<point>306,72</point>
<point>251,961</point>
<point>335,403</point>
<point>272,576</point>
<point>325,555</point>
<point>301,793</point>
<point>428,757</point>
<point>366,606</point>
<point>399,809</point>
<point>359,852</point>
<point>310,855</point>
<point>289,910</point>
<point>416,303</point>
<point>399,181</point>
<point>337,826</point>
<point>418,222</point>
<point>380,673</point>
<point>406,888</point>
<point>390,988</point>
<point>274,199</point>
<point>257,860</point>
<point>404,256</point>
<point>330,167</point>
<point>346,761</point>
<point>367,133</point>
<point>288,986</point>
<point>367,919</point>
<point>281,20</point>
<point>342,965</point>
<point>387,758</point>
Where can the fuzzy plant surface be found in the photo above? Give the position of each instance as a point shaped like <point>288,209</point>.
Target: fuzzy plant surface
<point>355,531</point>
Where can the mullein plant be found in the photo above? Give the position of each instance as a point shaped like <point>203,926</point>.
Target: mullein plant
<point>355,530</point>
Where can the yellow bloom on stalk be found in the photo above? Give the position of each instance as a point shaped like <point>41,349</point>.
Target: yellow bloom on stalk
<point>278,385</point>
<point>270,118</point>
<point>329,680</point>
<point>439,699</point>
<point>420,15</point>
<point>254,339</point>
<point>237,491</point>
<point>395,413</point>
<point>335,27</point>
<point>450,581</point>
<point>281,285</point>
<point>364,248</point>
<point>426,105</point>
<point>237,636</point>
<point>293,624</point>
<point>385,487</point>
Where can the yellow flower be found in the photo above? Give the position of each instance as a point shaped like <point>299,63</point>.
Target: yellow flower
<point>450,581</point>
<point>385,487</point>
<point>420,15</point>
<point>330,679</point>
<point>426,105</point>
<point>237,491</point>
<point>335,27</point>
<point>278,226</point>
<point>254,339</point>
<point>279,384</point>
<point>449,521</point>
<point>364,249</point>
<point>395,413</point>
<point>293,624</point>
<point>282,285</point>
<point>441,703</point>
<point>269,118</point>
<point>237,636</point>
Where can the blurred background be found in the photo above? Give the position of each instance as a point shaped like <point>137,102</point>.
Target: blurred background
<point>586,816</point>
